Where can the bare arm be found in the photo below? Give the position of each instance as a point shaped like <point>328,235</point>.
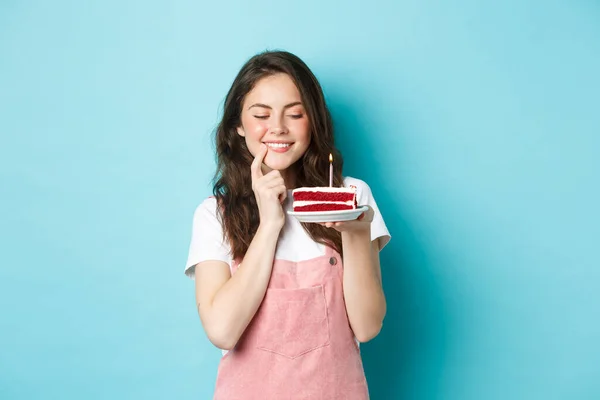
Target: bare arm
<point>363,291</point>
<point>226,303</point>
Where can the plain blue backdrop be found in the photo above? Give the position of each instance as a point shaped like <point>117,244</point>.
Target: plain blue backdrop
<point>476,123</point>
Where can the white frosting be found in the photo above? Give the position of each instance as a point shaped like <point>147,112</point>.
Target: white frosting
<point>326,189</point>
<point>310,203</point>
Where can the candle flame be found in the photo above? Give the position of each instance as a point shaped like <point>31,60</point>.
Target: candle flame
<point>330,158</point>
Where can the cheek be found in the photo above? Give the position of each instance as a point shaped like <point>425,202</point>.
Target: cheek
<point>303,129</point>
<point>255,129</point>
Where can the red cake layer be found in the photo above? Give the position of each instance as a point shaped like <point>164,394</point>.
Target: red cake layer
<point>323,196</point>
<point>325,207</point>
<point>324,199</point>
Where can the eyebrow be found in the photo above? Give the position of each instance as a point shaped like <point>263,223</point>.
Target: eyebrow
<point>296,103</point>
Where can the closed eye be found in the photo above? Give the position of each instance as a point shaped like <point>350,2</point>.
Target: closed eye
<point>261,116</point>
<point>296,116</point>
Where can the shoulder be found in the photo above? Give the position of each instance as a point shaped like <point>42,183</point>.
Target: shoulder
<point>361,186</point>
<point>364,196</point>
<point>207,241</point>
<point>206,211</point>
<point>350,180</point>
<point>207,205</point>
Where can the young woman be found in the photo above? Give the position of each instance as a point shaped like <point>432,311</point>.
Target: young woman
<point>288,302</point>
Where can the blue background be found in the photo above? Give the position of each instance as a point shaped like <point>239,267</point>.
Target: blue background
<point>476,123</point>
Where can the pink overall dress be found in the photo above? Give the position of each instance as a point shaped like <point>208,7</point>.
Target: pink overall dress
<point>299,344</point>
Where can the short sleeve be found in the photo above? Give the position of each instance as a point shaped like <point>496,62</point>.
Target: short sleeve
<point>365,197</point>
<point>207,238</point>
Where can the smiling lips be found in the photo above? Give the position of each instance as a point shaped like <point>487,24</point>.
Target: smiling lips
<point>279,147</point>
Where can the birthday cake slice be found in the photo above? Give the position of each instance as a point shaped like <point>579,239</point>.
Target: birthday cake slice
<point>324,198</point>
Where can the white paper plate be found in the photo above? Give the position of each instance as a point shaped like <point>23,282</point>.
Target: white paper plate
<point>328,216</point>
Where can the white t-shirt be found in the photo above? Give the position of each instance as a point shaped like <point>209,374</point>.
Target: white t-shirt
<point>294,244</point>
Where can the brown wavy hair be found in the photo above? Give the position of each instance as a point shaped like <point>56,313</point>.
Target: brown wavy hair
<point>232,182</point>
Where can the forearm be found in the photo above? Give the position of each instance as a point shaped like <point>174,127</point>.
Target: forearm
<point>363,292</point>
<point>236,302</point>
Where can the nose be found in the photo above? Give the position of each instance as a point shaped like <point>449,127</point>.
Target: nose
<point>278,127</point>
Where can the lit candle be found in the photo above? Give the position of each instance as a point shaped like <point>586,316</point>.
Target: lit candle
<point>330,170</point>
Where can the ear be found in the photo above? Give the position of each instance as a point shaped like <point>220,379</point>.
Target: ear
<point>241,132</point>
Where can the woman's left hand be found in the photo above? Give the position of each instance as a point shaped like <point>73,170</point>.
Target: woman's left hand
<point>361,223</point>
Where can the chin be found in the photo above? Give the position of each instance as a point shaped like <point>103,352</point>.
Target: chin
<point>279,165</point>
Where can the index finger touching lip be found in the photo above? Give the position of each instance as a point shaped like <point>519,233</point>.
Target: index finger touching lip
<point>257,162</point>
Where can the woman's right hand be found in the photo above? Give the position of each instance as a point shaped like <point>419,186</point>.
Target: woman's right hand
<point>269,190</point>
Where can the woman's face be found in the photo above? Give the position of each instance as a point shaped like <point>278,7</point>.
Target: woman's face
<point>273,114</point>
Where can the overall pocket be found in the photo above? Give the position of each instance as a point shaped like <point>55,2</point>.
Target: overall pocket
<point>292,322</point>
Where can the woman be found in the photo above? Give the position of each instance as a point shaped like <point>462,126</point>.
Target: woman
<point>274,293</point>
